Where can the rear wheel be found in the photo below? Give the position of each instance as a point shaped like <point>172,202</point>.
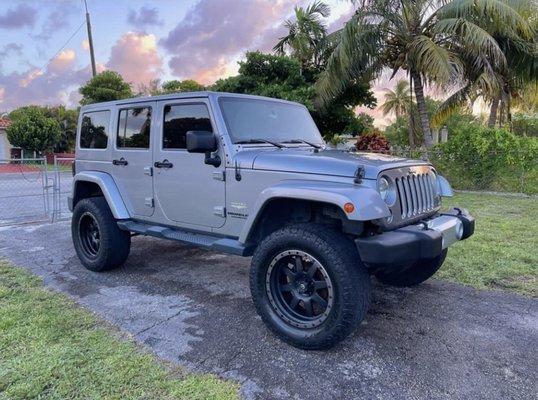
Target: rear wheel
<point>309,286</point>
<point>417,273</point>
<point>99,243</point>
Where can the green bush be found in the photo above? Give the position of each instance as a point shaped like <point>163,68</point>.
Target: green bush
<point>525,124</point>
<point>33,130</point>
<point>495,159</point>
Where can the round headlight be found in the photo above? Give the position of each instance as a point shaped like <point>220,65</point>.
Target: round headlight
<point>387,190</point>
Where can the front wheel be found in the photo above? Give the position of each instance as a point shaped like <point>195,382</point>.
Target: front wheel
<point>309,286</point>
<point>414,275</point>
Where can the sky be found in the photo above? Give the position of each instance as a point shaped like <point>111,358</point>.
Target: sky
<point>44,56</point>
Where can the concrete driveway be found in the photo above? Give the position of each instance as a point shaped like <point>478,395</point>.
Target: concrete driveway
<point>192,307</point>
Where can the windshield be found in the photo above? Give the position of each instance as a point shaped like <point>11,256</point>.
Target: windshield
<point>249,119</point>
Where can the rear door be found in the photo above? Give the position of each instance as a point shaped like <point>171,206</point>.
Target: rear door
<point>133,158</point>
<point>187,190</point>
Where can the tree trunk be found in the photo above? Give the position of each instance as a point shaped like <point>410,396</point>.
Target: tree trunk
<point>509,111</point>
<point>493,113</point>
<point>502,109</point>
<point>422,111</point>
<point>411,129</point>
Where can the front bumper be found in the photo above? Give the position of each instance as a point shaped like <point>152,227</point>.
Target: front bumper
<point>424,240</point>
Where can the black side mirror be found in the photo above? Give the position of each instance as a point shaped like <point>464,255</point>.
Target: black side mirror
<point>201,142</point>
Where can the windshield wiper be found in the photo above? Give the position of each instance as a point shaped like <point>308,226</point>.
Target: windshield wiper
<point>316,146</point>
<point>255,141</point>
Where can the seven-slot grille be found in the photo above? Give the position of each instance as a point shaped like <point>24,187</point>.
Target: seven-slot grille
<point>416,194</point>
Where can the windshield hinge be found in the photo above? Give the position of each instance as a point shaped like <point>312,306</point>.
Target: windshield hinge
<point>359,174</point>
<point>237,172</point>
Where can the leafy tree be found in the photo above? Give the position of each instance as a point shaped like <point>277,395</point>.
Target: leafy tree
<point>32,130</point>
<point>106,86</point>
<point>187,85</point>
<point>431,41</point>
<point>66,118</point>
<point>281,77</point>
<point>361,124</point>
<point>306,39</point>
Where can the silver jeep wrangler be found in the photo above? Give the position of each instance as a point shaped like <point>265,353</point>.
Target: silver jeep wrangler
<point>251,176</point>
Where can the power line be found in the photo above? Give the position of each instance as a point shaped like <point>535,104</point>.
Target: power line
<point>63,46</point>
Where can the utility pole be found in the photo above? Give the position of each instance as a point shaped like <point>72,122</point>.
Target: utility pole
<point>90,40</point>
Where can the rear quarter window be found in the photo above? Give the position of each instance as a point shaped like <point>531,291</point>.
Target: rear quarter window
<point>94,130</point>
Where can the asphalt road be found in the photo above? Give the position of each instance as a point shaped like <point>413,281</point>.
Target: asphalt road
<point>192,307</point>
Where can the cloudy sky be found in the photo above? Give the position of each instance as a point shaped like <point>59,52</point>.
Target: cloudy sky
<point>44,54</point>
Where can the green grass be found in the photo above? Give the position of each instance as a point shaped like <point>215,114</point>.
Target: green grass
<point>502,254</point>
<point>51,348</point>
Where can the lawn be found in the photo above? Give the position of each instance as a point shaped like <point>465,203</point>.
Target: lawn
<point>503,253</point>
<point>51,348</point>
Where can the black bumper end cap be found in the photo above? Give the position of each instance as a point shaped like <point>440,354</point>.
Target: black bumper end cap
<point>402,246</point>
<point>466,219</point>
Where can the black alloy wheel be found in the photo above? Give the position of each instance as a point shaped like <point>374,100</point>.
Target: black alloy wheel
<point>90,236</point>
<point>299,289</point>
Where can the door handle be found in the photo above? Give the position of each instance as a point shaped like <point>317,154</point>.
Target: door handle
<point>121,161</point>
<point>163,164</point>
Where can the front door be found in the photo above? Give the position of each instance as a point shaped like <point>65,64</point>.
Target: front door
<point>132,157</point>
<point>187,190</point>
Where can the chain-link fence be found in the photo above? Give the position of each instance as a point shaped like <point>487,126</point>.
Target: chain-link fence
<point>63,182</point>
<point>25,191</point>
<point>494,170</point>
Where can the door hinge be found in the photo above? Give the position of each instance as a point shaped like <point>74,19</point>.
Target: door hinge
<point>219,175</point>
<point>148,171</point>
<point>219,211</point>
<point>148,201</point>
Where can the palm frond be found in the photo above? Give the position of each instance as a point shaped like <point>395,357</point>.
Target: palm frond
<point>357,52</point>
<point>318,7</point>
<point>496,12</point>
<point>473,37</point>
<point>451,105</point>
<point>435,62</point>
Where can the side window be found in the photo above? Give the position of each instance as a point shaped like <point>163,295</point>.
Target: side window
<point>181,118</point>
<point>134,128</point>
<point>94,130</point>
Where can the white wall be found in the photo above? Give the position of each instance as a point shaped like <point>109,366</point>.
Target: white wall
<point>5,147</point>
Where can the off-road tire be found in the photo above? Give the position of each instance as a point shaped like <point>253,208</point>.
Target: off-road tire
<point>350,281</point>
<point>115,243</point>
<point>414,275</point>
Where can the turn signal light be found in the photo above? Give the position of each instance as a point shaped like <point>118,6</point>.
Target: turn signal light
<point>349,208</point>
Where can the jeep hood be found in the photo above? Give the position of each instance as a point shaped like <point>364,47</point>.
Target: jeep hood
<point>324,162</point>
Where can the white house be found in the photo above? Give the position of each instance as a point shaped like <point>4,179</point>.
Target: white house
<point>5,146</point>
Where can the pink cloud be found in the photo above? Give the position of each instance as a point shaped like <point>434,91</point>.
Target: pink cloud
<point>49,86</point>
<point>62,62</point>
<point>214,34</point>
<point>136,58</point>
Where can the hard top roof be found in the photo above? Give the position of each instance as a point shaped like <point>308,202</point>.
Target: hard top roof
<point>173,96</point>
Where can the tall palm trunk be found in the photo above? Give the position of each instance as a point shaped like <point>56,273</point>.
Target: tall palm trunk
<point>493,113</point>
<point>509,111</point>
<point>422,111</point>
<point>411,129</point>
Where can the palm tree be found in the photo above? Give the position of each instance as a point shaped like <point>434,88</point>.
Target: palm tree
<point>500,87</point>
<point>426,38</point>
<point>399,101</point>
<point>306,35</point>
